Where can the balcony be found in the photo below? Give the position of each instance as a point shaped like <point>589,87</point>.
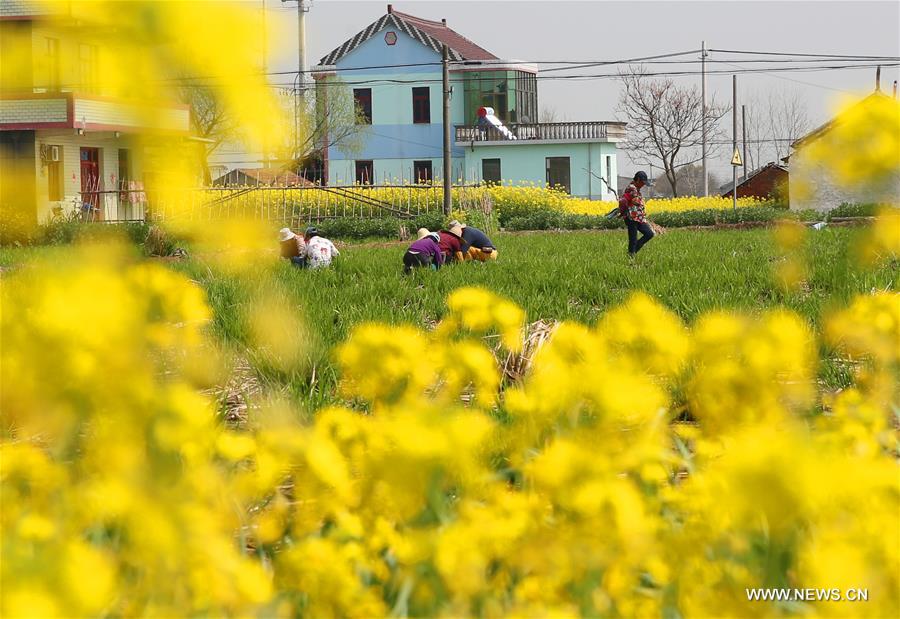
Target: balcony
<point>91,113</point>
<point>568,132</point>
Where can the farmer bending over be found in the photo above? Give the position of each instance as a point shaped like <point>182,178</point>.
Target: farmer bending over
<point>631,208</point>
<point>292,247</point>
<point>424,252</point>
<point>319,250</point>
<point>451,243</point>
<point>476,245</point>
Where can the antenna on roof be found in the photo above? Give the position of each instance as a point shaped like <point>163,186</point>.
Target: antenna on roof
<point>895,89</point>
<point>878,79</point>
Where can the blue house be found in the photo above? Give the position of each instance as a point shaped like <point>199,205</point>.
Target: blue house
<point>393,67</point>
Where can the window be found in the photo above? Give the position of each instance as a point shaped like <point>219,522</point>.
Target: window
<point>87,68</point>
<point>54,176</point>
<point>365,172</point>
<point>558,173</point>
<point>490,170</point>
<point>422,171</point>
<point>363,99</point>
<point>525,97</point>
<point>421,98</point>
<point>609,178</point>
<point>53,79</point>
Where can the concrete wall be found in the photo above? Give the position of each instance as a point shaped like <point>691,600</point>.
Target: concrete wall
<point>526,162</point>
<point>812,186</point>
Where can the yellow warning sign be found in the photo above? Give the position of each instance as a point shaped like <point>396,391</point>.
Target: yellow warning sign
<point>736,158</point>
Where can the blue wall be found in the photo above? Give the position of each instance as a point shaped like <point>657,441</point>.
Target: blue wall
<point>392,135</point>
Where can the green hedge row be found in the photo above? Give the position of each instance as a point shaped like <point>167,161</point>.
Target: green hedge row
<point>351,228</point>
<point>554,220</point>
<point>854,210</point>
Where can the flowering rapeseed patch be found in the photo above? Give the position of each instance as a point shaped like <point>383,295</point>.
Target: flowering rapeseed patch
<point>437,489</point>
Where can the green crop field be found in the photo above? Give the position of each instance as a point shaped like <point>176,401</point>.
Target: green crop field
<point>554,276</point>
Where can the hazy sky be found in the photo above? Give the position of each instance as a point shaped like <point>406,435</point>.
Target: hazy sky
<point>593,31</point>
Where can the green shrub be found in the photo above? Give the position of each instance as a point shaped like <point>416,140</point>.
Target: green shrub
<point>548,219</point>
<point>854,210</point>
<point>15,226</point>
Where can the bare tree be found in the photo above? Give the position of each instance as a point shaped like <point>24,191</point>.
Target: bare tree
<point>774,121</point>
<point>209,120</point>
<point>325,117</point>
<point>665,121</point>
<point>548,114</point>
<point>757,132</point>
<point>689,180</point>
<point>788,120</point>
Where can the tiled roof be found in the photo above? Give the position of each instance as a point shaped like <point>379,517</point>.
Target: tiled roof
<point>454,40</point>
<point>429,33</point>
<point>264,176</point>
<point>727,187</point>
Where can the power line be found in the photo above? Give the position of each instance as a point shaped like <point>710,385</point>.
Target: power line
<point>790,79</point>
<point>754,52</point>
<point>575,64</point>
<point>586,77</point>
<point>624,61</point>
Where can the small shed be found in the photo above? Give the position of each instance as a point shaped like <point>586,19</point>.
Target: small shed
<point>767,182</point>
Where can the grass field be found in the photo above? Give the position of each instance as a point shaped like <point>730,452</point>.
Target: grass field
<point>553,276</point>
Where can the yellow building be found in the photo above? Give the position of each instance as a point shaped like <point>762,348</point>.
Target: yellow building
<point>68,141</point>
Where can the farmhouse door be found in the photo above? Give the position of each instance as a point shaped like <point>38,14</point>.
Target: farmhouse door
<point>90,181</point>
<point>558,173</point>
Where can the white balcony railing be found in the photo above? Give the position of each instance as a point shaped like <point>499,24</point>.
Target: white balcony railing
<point>557,132</point>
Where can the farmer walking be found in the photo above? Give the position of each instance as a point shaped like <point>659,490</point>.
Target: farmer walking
<point>631,208</point>
<point>424,252</point>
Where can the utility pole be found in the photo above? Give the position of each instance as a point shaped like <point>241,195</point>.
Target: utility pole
<point>302,10</point>
<point>703,120</point>
<point>734,140</point>
<point>265,72</point>
<point>744,134</point>
<point>445,69</point>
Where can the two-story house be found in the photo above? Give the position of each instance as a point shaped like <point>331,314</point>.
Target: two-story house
<point>393,67</point>
<point>68,139</point>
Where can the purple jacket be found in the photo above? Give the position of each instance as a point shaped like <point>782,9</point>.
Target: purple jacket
<point>428,247</point>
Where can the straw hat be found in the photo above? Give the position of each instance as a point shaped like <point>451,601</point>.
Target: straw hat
<point>456,223</point>
<point>285,234</point>
<point>457,229</point>
<point>421,233</point>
